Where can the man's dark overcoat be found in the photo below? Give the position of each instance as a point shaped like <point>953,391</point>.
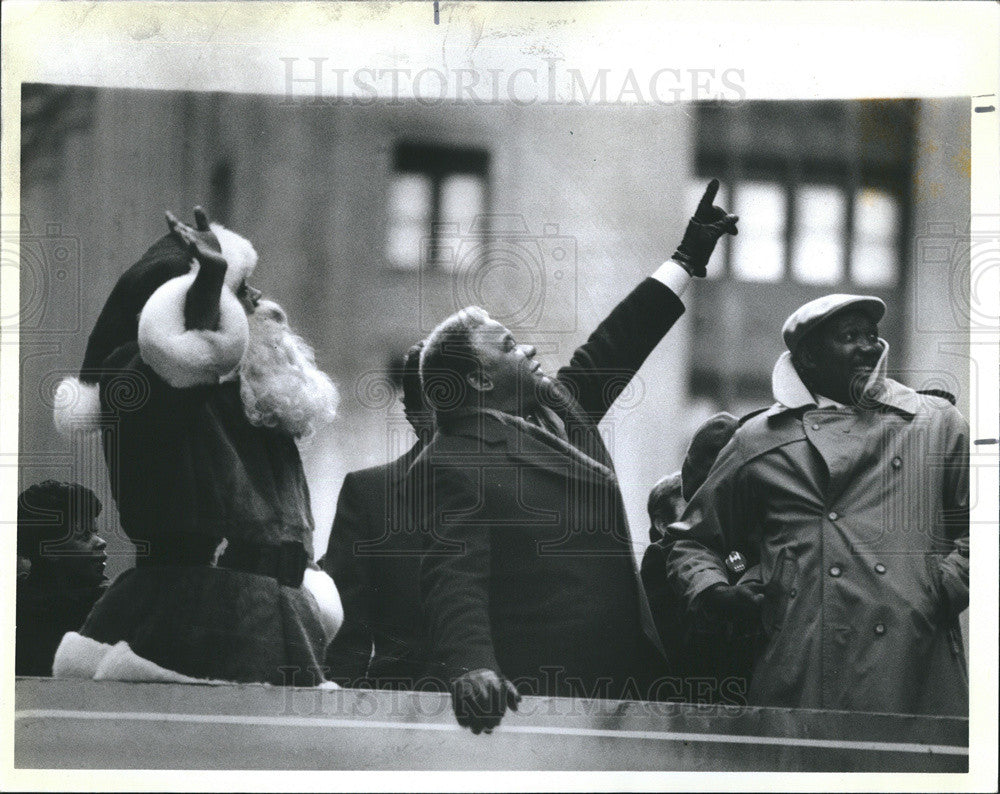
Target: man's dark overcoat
<point>373,556</point>
<point>530,568</point>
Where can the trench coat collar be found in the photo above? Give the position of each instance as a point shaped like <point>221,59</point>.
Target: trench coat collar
<point>791,393</point>
<point>524,442</point>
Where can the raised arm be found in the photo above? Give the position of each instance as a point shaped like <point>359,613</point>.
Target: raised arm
<point>201,306</point>
<point>602,367</point>
<point>193,330</point>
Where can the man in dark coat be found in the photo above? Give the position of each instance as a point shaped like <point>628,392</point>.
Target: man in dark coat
<point>529,581</point>
<point>64,575</point>
<point>373,556</point>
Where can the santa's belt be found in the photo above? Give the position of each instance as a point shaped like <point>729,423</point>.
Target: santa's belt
<point>285,562</point>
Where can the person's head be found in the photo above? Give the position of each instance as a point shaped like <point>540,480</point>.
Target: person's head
<point>835,345</point>
<point>420,417</point>
<point>280,384</point>
<point>706,444</point>
<point>56,534</point>
<point>149,298</point>
<point>471,359</point>
<point>665,504</point>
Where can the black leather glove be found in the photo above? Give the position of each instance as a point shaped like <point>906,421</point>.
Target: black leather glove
<point>705,228</point>
<point>739,603</point>
<point>201,306</point>
<point>480,698</point>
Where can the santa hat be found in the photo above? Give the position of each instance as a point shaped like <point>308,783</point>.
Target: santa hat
<point>146,308</point>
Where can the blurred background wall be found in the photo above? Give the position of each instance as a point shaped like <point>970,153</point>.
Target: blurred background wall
<point>374,223</point>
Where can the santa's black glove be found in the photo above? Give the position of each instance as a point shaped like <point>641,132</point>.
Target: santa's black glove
<point>705,228</point>
<point>480,699</point>
<point>201,306</point>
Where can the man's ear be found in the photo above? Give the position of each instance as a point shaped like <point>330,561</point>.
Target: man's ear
<point>479,380</point>
<point>804,359</point>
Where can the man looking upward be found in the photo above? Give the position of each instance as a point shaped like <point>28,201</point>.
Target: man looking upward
<point>529,581</point>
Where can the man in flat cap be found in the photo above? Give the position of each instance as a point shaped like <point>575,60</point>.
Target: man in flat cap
<point>851,493</point>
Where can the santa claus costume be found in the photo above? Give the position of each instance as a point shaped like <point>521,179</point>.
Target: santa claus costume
<point>204,467</point>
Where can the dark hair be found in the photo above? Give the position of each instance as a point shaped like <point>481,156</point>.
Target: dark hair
<point>417,412</point>
<point>448,358</point>
<point>705,446</point>
<point>413,396</point>
<point>45,512</point>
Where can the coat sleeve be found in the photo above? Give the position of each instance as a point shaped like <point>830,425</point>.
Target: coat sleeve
<point>455,575</point>
<point>602,367</point>
<point>955,566</point>
<point>714,522</point>
<point>183,356</point>
<point>349,653</point>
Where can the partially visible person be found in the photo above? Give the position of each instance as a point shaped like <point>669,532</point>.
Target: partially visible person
<point>851,493</point>
<point>373,556</point>
<point>695,650</point>
<point>204,390</point>
<point>61,563</point>
<point>665,504</point>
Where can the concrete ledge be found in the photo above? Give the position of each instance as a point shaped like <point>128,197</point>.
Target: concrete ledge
<point>112,725</point>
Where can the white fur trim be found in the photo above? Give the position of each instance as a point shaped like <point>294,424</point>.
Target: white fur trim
<point>239,254</point>
<point>331,611</point>
<point>78,656</point>
<point>121,663</point>
<point>82,657</point>
<point>184,357</point>
<point>76,406</point>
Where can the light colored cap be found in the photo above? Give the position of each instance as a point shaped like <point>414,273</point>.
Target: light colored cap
<point>811,314</point>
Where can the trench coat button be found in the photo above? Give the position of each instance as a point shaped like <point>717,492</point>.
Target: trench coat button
<point>879,568</point>
<point>792,593</point>
<point>880,628</point>
<point>897,462</point>
<point>833,516</point>
<point>815,426</point>
<point>835,571</point>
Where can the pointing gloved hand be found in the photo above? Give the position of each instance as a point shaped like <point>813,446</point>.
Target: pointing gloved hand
<point>704,229</point>
<point>480,698</point>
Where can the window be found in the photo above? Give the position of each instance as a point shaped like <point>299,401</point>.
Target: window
<point>432,188</point>
<point>819,243</point>
<point>823,191</point>
<point>758,251</point>
<point>876,227</point>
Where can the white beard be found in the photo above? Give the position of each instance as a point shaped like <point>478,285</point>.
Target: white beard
<point>280,384</point>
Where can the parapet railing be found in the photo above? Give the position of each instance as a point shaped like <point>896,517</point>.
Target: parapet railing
<point>96,725</point>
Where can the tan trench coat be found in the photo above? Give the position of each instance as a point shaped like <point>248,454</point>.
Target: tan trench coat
<point>859,518</point>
